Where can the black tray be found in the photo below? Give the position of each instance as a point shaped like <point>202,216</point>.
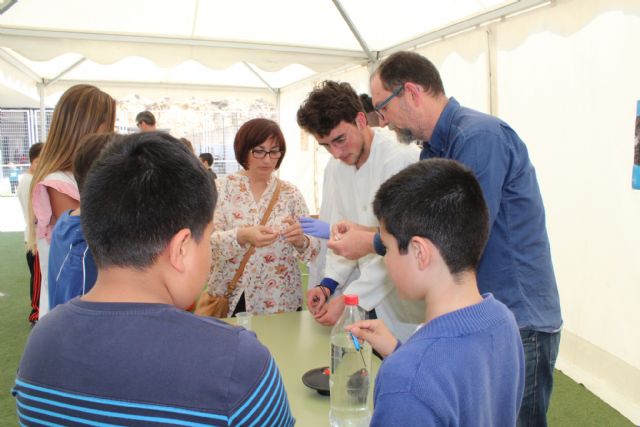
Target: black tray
<point>317,380</point>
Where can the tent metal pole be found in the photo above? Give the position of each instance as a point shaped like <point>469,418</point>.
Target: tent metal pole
<point>355,31</point>
<point>246,64</point>
<point>278,106</point>
<point>42,137</point>
<point>18,65</point>
<point>183,41</point>
<point>154,85</point>
<point>517,7</point>
<point>65,71</point>
<point>492,76</point>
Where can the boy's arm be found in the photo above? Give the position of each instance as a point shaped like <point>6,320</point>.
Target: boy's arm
<point>265,400</point>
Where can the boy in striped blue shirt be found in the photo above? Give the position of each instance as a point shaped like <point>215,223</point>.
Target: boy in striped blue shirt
<point>127,353</point>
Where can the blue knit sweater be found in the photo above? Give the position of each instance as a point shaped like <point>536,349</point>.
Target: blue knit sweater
<point>465,368</point>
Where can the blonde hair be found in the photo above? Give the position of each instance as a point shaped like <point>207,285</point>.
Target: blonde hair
<point>82,109</point>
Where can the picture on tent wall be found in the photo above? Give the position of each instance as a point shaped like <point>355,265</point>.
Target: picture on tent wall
<point>636,157</point>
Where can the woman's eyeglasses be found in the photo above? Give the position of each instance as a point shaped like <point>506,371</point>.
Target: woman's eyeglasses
<point>261,154</point>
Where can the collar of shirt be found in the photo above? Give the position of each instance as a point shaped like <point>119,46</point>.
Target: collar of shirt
<point>439,141</point>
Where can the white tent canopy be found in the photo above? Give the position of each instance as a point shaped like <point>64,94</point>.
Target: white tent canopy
<point>239,44</point>
<point>565,77</point>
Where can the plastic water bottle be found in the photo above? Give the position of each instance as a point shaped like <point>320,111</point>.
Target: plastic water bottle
<point>350,379</point>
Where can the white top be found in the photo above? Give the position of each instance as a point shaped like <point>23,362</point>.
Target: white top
<point>354,191</point>
<point>316,268</point>
<point>23,197</point>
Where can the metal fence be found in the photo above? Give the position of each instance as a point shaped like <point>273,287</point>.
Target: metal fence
<point>209,132</point>
<point>19,130</point>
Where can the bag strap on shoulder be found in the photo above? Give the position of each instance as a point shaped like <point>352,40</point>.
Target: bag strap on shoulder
<point>247,255</point>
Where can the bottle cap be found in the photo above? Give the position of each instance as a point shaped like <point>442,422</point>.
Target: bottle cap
<point>351,299</point>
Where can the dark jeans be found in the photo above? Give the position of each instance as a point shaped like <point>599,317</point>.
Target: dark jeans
<point>540,353</point>
<point>33,263</point>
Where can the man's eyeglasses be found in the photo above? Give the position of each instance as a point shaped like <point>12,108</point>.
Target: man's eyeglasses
<point>261,154</point>
<point>381,105</point>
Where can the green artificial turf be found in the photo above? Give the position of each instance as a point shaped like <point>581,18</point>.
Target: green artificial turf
<point>571,403</point>
<point>14,326</point>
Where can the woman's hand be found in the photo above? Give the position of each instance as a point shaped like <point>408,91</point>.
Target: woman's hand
<point>292,233</point>
<point>257,235</point>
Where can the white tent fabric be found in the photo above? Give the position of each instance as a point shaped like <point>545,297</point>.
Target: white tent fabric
<point>565,77</point>
<point>244,43</point>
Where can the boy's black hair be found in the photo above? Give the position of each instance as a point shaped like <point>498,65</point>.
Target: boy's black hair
<point>327,106</point>
<point>440,200</point>
<point>89,149</point>
<point>146,117</point>
<point>34,151</point>
<point>207,157</point>
<point>143,189</point>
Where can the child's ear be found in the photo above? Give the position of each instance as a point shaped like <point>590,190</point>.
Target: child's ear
<point>420,249</point>
<point>178,249</point>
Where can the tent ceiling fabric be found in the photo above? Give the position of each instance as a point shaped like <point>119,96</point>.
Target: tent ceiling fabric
<point>204,41</point>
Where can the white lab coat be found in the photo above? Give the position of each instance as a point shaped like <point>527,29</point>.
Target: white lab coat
<point>354,191</point>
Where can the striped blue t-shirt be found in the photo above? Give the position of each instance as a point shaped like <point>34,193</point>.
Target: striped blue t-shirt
<point>105,364</point>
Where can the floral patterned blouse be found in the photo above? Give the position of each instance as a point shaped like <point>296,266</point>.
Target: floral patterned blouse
<point>271,280</point>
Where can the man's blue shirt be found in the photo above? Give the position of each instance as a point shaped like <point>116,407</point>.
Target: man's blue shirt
<point>516,265</point>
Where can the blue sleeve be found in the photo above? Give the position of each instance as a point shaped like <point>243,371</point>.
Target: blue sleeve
<point>378,246</point>
<point>402,409</point>
<point>266,401</point>
<point>330,284</point>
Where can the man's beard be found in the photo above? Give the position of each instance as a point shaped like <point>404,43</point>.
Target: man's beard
<point>404,135</point>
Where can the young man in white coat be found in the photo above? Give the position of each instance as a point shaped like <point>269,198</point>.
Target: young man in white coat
<point>334,115</point>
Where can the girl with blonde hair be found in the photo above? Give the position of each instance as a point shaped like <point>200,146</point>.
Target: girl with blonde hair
<point>82,110</point>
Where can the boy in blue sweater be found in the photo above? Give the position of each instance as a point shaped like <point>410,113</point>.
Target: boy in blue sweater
<point>72,271</point>
<point>465,365</point>
<point>126,352</point>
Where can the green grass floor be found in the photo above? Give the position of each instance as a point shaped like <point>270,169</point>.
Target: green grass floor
<point>571,403</point>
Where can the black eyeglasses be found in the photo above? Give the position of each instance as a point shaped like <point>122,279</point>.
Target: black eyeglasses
<point>259,153</point>
<point>378,107</point>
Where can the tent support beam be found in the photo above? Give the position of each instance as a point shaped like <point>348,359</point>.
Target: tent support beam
<point>48,82</point>
<point>354,30</point>
<point>43,119</point>
<point>482,18</point>
<point>492,77</point>
<point>250,68</point>
<point>155,85</point>
<point>15,63</point>
<point>178,41</point>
